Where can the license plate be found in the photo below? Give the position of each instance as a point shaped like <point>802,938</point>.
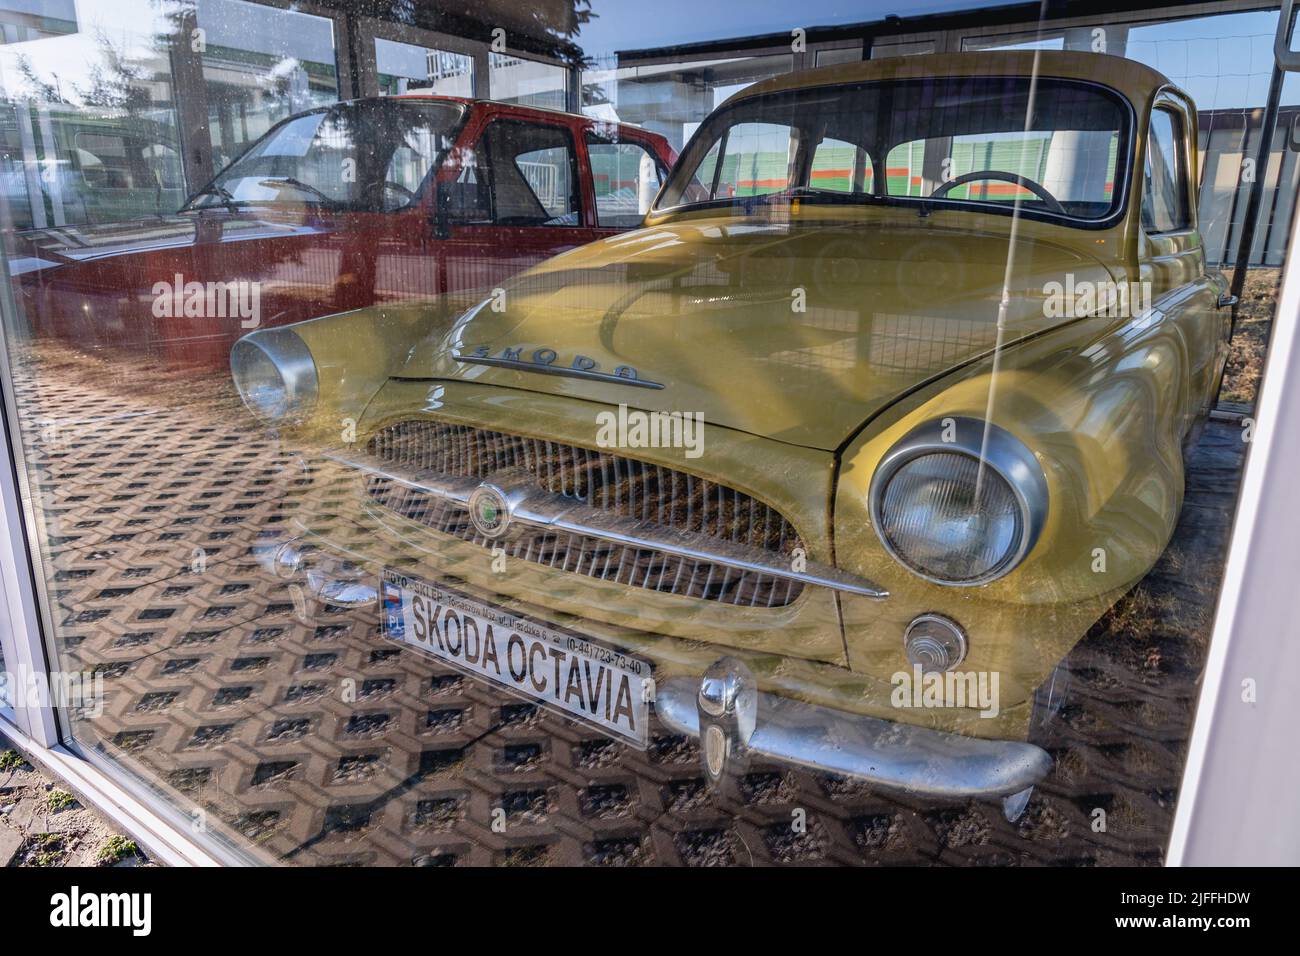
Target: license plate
<point>557,668</point>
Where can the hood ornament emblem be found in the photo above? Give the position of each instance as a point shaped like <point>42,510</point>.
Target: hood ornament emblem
<point>546,361</point>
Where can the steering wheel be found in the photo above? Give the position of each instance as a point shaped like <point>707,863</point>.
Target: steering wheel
<point>1024,182</point>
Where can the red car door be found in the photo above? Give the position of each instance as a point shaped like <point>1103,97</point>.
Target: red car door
<point>515,198</point>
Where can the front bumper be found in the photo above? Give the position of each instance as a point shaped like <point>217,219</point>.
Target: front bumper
<point>906,757</point>
<point>910,758</point>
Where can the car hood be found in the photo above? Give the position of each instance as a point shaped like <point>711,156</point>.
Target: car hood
<point>792,331</point>
<point>38,249</point>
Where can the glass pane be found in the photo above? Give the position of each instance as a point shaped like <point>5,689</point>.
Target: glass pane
<point>831,57</point>
<point>626,179</point>
<point>403,514</point>
<point>88,127</point>
<point>838,166</point>
<point>1164,205</point>
<point>531,171</point>
<point>371,156</point>
<point>654,96</point>
<point>1058,160</point>
<point>528,82</point>
<point>260,65</point>
<point>405,66</point>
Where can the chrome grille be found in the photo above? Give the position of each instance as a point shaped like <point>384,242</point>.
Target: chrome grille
<point>623,486</point>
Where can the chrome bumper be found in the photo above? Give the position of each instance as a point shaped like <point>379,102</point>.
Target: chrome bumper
<point>899,756</point>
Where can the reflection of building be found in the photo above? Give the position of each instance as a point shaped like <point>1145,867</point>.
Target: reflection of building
<point>24,20</point>
<point>215,75</point>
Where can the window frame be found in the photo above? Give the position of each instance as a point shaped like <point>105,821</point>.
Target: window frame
<point>1182,166</point>
<point>575,172</point>
<point>1125,171</point>
<point>591,137</point>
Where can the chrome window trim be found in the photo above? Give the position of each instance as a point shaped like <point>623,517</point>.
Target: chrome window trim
<point>997,448</point>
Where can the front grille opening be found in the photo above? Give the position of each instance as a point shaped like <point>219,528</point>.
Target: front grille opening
<point>624,486</point>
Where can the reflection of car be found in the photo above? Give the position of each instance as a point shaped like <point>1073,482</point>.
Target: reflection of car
<point>86,166</point>
<point>948,325</point>
<point>388,199</point>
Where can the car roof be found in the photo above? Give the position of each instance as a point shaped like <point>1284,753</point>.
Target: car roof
<point>516,107</point>
<point>1132,80</point>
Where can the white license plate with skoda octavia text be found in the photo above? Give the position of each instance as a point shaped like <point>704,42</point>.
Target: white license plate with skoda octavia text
<point>562,670</point>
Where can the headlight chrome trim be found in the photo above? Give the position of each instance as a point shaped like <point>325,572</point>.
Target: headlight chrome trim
<point>292,359</point>
<point>984,442</point>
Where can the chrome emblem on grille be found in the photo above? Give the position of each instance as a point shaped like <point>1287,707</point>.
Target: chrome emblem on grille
<point>489,510</point>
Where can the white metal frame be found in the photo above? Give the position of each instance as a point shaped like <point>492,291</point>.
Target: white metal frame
<point>1242,780</point>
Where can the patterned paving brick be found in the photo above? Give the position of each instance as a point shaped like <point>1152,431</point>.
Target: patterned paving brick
<point>302,735</point>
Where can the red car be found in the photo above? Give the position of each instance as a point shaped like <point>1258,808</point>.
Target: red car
<point>372,200</point>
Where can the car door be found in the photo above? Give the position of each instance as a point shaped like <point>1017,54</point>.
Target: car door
<point>515,201</point>
<point>1172,256</point>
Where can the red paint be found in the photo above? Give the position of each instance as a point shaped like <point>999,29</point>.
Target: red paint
<point>97,291</point>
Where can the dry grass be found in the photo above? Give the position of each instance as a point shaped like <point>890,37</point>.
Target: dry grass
<point>1250,338</point>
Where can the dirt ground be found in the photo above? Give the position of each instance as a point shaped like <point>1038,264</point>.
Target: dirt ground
<point>41,824</point>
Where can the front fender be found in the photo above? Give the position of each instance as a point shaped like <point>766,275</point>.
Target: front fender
<point>1101,404</point>
<point>354,354</point>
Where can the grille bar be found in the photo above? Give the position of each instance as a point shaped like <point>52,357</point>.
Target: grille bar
<point>622,487</point>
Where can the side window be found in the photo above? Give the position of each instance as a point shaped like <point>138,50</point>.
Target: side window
<point>412,158</point>
<point>626,179</point>
<point>840,167</point>
<point>533,174</point>
<point>1164,182</point>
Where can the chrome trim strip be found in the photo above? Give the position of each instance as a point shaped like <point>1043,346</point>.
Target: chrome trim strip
<point>540,509</point>
<point>906,757</point>
<point>996,447</point>
<point>563,370</point>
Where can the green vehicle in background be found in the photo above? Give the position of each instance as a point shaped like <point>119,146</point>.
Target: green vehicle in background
<point>68,166</point>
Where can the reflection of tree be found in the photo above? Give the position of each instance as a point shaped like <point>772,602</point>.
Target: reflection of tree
<point>33,85</point>
<point>116,81</point>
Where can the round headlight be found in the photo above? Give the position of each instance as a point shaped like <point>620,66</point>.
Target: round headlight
<point>959,501</point>
<point>275,374</point>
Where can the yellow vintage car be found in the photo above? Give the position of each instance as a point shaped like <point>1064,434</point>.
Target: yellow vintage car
<point>832,461</point>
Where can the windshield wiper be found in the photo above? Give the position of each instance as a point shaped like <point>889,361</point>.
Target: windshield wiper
<point>221,192</point>
<point>301,186</point>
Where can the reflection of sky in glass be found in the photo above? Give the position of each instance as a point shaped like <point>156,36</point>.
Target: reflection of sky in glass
<point>66,62</point>
<point>139,31</point>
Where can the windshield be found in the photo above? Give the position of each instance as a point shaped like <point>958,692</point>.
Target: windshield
<point>969,142</point>
<point>370,156</point>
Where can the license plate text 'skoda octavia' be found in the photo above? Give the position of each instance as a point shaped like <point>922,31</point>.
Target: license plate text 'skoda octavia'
<point>562,670</point>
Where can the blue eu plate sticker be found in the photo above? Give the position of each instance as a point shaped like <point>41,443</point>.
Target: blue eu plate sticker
<point>393,611</point>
